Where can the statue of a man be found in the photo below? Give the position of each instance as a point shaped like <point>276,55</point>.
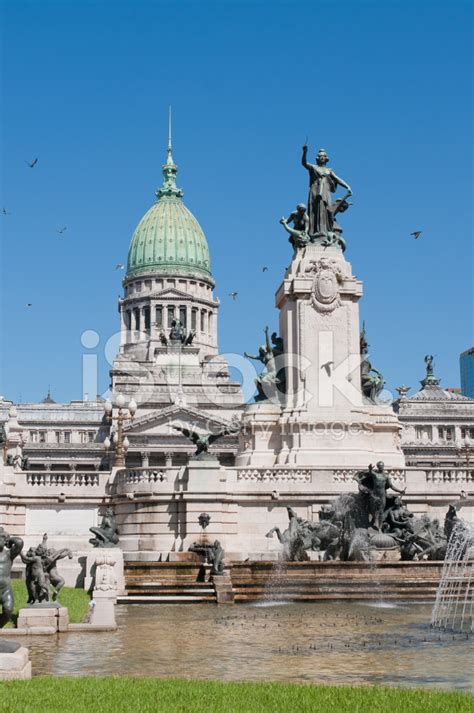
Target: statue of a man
<point>299,233</point>
<point>322,182</point>
<point>429,364</point>
<point>177,332</point>
<point>371,380</point>
<point>267,381</point>
<point>374,483</point>
<point>10,547</point>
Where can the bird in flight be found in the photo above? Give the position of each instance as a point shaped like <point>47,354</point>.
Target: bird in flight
<point>416,234</point>
<point>62,230</point>
<point>264,269</point>
<point>119,266</point>
<point>327,367</point>
<point>29,304</point>
<point>33,163</point>
<point>233,295</point>
<point>5,211</point>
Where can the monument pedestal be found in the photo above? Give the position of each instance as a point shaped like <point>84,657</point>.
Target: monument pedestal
<point>46,614</point>
<point>325,421</point>
<point>14,661</point>
<point>114,558</point>
<point>103,611</point>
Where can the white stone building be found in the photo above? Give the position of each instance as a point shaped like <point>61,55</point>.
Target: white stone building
<point>301,450</point>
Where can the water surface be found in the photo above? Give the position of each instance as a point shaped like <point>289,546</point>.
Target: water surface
<point>332,643</point>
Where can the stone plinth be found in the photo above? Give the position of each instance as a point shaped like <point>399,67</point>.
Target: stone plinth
<point>42,615</point>
<point>103,608</point>
<point>107,555</point>
<point>14,661</point>
<point>260,436</point>
<point>223,588</point>
<point>205,474</point>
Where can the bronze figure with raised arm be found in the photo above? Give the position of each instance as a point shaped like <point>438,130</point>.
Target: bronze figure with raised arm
<point>322,182</point>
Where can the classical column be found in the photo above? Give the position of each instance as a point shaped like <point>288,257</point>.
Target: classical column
<point>145,459</point>
<point>169,459</point>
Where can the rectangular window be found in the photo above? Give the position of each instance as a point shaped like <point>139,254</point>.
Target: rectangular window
<point>33,436</point>
<point>147,318</point>
<point>159,317</point>
<point>42,436</point>
<point>203,322</point>
<point>446,433</point>
<point>194,319</point>
<point>90,436</point>
<point>67,436</point>
<point>467,433</point>
<point>170,315</point>
<point>58,436</point>
<point>182,316</point>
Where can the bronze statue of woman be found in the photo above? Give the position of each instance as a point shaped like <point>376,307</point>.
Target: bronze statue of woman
<point>322,182</point>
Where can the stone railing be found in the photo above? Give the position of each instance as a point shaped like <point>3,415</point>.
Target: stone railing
<point>143,475</point>
<point>301,475</point>
<point>62,479</point>
<point>449,475</point>
<point>346,475</point>
<point>145,481</point>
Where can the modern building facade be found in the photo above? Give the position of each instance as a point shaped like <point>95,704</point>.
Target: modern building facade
<point>466,362</point>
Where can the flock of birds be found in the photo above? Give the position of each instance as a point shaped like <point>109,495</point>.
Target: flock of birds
<point>120,266</point>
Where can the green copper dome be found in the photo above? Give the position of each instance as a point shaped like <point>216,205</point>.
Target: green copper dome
<point>168,238</point>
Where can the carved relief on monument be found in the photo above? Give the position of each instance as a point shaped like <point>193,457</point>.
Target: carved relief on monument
<point>325,295</point>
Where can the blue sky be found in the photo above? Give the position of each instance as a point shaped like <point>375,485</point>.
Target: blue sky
<point>384,87</point>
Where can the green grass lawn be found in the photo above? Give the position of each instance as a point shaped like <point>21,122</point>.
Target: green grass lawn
<point>76,600</point>
<point>111,695</point>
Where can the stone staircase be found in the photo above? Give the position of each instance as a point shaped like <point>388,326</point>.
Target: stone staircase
<point>189,582</point>
<point>319,581</point>
<point>167,583</point>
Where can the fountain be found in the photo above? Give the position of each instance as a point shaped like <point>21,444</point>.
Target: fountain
<point>454,606</point>
<point>368,526</point>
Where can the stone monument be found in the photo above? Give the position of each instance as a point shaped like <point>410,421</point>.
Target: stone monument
<point>330,414</point>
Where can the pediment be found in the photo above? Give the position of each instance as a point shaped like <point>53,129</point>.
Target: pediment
<point>160,422</point>
<point>171,293</point>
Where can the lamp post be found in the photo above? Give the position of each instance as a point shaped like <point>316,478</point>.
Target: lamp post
<point>123,413</point>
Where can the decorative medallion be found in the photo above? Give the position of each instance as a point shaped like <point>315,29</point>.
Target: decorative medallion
<point>325,295</point>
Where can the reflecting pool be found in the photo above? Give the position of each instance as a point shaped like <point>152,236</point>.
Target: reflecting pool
<point>332,643</point>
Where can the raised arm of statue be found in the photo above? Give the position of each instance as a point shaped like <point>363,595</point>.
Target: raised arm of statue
<point>15,545</point>
<point>250,356</point>
<point>304,161</point>
<point>267,340</point>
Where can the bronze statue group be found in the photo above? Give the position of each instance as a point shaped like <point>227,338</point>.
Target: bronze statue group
<point>355,525</point>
